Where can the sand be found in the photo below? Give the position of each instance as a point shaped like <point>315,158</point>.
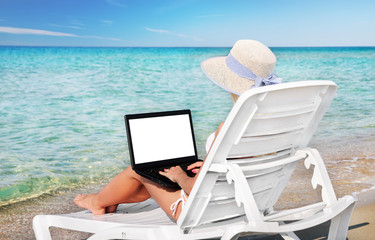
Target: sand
<point>352,172</point>
<point>16,219</point>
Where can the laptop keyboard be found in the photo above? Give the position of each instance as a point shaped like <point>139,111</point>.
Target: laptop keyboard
<point>155,171</point>
<point>153,174</point>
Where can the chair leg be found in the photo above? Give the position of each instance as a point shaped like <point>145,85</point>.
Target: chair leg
<point>231,235</point>
<point>41,227</point>
<point>235,237</point>
<point>289,236</point>
<point>340,224</point>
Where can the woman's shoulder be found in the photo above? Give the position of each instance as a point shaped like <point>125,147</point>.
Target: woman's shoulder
<point>212,137</point>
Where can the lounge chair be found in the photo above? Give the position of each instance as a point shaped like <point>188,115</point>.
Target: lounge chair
<point>263,138</point>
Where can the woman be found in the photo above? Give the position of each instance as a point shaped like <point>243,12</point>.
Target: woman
<point>249,64</point>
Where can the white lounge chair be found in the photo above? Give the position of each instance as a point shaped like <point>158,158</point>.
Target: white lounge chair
<point>249,164</point>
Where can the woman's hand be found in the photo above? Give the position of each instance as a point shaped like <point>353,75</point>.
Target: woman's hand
<point>174,173</point>
<point>195,166</point>
<point>179,176</point>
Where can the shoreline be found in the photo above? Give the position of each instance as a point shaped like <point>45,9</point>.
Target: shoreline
<point>342,164</point>
<point>16,218</point>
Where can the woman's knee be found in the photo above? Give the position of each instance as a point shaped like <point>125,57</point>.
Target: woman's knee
<point>130,172</point>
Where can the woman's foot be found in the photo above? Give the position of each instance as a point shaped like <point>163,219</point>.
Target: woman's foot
<point>88,202</point>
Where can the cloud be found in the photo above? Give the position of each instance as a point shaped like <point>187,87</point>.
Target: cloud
<point>13,30</point>
<point>65,26</point>
<point>162,31</point>
<point>76,23</point>
<point>102,38</point>
<point>157,30</point>
<point>108,22</point>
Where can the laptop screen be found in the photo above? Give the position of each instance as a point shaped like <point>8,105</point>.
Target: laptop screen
<point>154,137</point>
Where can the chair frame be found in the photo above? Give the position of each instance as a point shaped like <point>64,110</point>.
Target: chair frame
<point>245,210</point>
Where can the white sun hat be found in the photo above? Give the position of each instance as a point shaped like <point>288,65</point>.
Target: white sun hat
<point>249,64</point>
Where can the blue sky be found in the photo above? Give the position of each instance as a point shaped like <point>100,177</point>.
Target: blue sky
<point>186,22</point>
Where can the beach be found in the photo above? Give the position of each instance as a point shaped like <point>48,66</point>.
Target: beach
<point>16,219</point>
<point>16,223</point>
<point>62,128</point>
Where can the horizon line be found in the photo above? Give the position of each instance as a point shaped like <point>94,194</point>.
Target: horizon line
<point>72,46</point>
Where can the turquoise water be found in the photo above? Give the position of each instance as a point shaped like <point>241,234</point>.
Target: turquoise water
<point>61,109</point>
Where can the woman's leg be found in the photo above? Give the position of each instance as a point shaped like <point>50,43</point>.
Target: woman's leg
<point>164,197</point>
<point>129,187</point>
<point>126,187</point>
<point>139,196</point>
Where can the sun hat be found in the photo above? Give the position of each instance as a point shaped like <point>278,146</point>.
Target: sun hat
<point>249,64</point>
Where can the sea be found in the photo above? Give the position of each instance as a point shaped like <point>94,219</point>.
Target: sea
<point>62,108</point>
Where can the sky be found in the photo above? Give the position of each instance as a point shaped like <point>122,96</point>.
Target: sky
<point>186,23</point>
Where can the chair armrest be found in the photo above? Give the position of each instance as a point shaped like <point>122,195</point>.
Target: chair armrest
<point>320,175</point>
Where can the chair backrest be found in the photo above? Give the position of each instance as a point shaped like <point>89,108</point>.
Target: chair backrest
<point>266,125</point>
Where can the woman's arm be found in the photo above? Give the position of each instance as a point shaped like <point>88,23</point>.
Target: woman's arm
<point>177,175</point>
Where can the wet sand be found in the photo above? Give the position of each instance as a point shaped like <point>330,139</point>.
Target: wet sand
<point>352,171</point>
<point>16,219</point>
<point>362,223</point>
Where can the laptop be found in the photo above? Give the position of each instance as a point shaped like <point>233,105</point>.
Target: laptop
<point>160,140</point>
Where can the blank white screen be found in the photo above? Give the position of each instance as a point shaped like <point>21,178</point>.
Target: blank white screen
<point>161,138</point>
